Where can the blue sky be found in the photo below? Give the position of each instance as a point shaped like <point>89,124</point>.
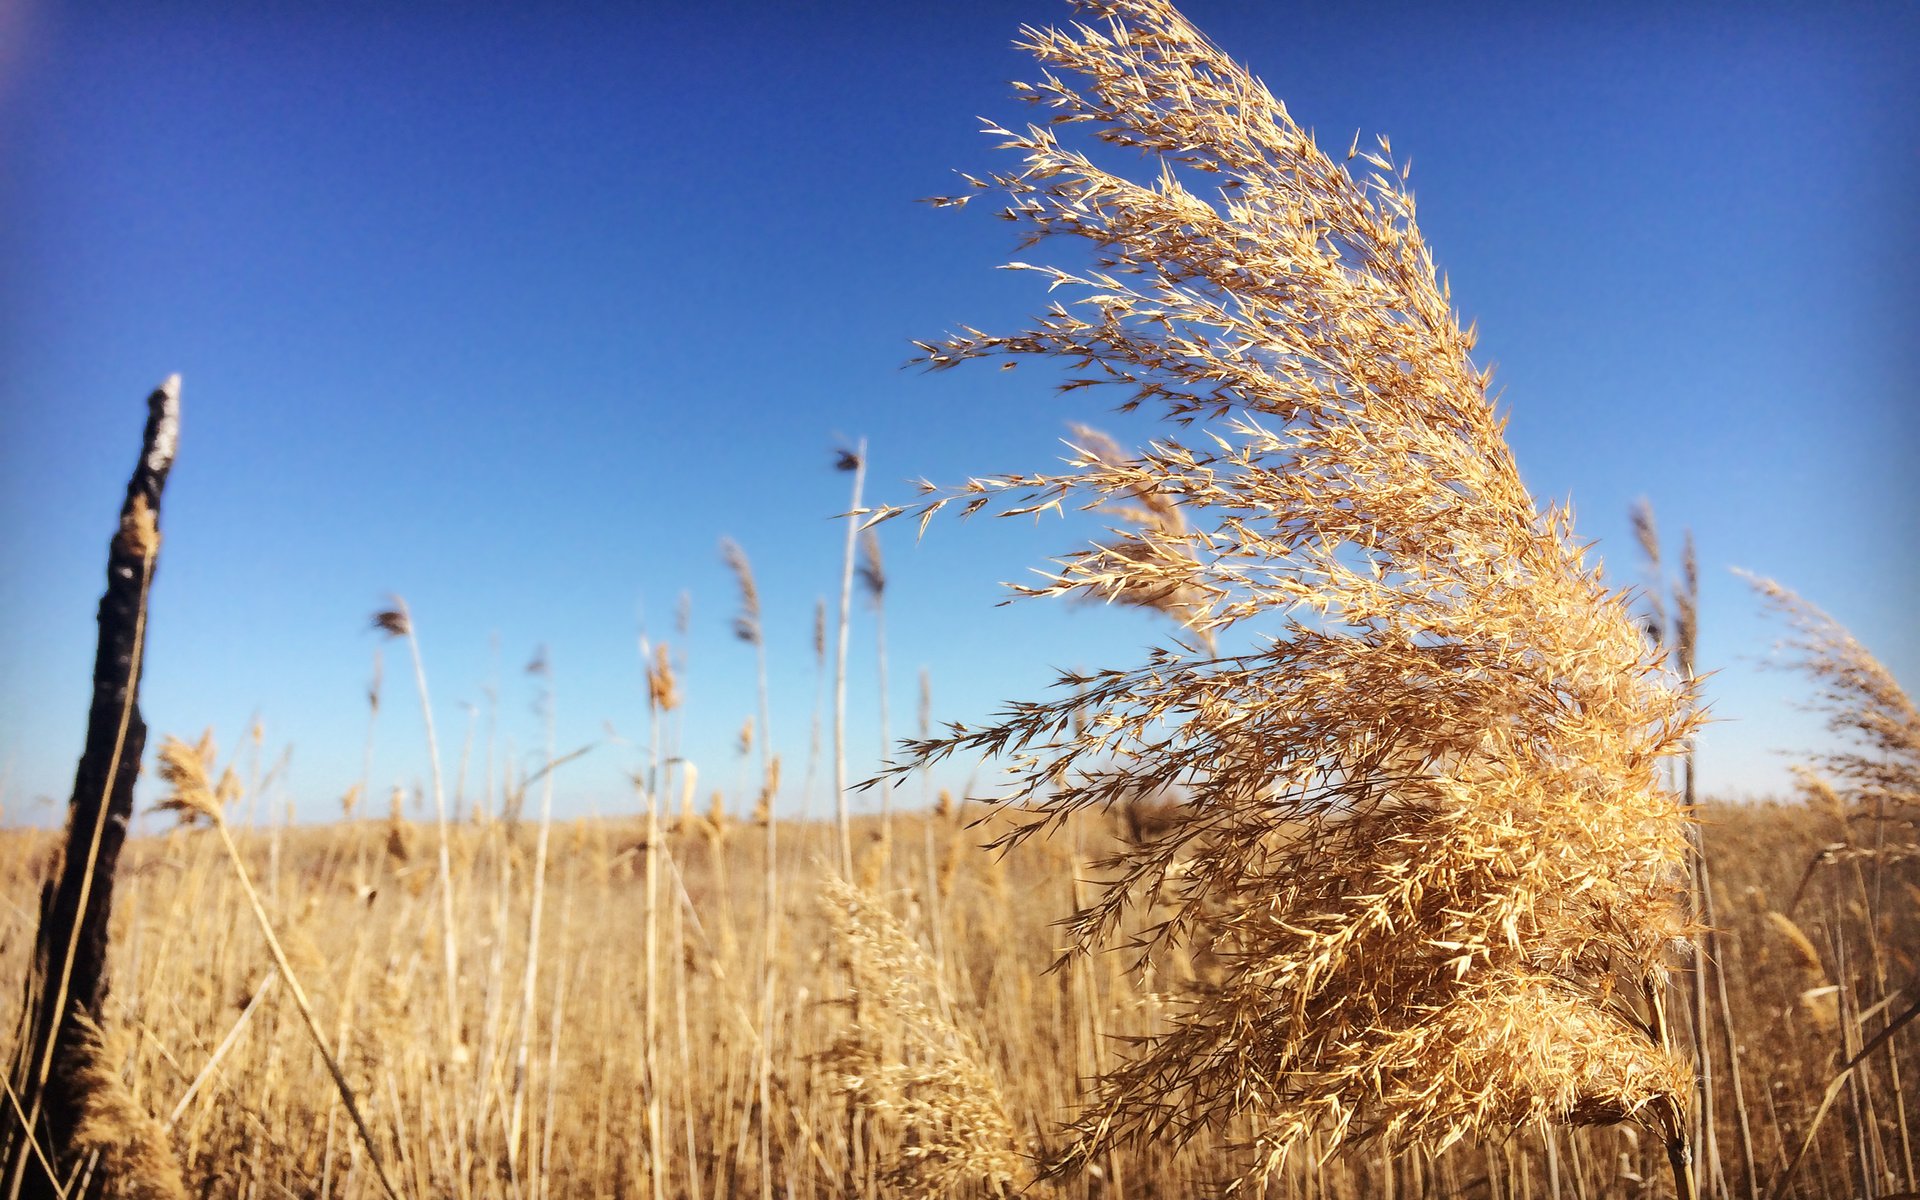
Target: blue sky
<point>518,315</point>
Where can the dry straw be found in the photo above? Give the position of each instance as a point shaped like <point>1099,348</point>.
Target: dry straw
<point>908,1059</point>
<point>1428,835</point>
<point>194,796</point>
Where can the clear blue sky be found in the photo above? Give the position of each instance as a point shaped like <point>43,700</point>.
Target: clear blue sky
<point>517,315</point>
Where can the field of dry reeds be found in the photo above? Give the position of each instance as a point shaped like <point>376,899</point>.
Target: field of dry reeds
<point>913,1036</point>
<point>1383,875</point>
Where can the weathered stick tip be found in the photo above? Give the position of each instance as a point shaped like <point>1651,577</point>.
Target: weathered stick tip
<point>163,425</point>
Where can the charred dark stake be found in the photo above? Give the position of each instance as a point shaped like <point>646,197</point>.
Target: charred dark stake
<point>68,980</point>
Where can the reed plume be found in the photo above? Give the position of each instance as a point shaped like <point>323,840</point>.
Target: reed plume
<point>907,1057</point>
<point>1429,837</point>
<point>1874,768</point>
<point>134,1160</point>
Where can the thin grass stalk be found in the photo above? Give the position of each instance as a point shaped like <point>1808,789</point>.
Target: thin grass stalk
<point>460,810</point>
<point>555,1026</point>
<point>1686,640</point>
<point>856,462</point>
<point>1723,1012</point>
<point>1674,1122</point>
<point>399,620</point>
<point>492,692</point>
<point>221,1050</point>
<point>1871,900</point>
<point>686,1071</point>
<point>873,576</point>
<point>748,627</point>
<point>819,703</point>
<point>344,1028</point>
<point>530,978</point>
<point>659,698</point>
<point>655,1102</point>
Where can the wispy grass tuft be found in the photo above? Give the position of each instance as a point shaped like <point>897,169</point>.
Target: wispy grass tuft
<point>907,1058</point>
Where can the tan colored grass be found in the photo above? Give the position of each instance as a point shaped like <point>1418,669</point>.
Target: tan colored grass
<point>185,971</point>
<point>907,1058</point>
<point>1434,769</point>
<point>1871,777</point>
<point>124,1144</point>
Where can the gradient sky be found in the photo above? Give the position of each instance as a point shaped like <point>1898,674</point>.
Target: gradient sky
<point>517,315</point>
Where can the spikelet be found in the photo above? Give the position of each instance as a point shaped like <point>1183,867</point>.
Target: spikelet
<point>187,772</point>
<point>1159,533</point>
<point>872,862</point>
<point>872,568</point>
<point>717,825</point>
<point>769,788</point>
<point>663,690</point>
<point>401,835</point>
<point>950,864</point>
<point>1821,1004</point>
<point>746,624</point>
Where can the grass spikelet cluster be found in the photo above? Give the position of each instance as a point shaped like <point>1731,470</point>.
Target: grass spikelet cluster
<point>907,1058</point>
<point>1426,804</point>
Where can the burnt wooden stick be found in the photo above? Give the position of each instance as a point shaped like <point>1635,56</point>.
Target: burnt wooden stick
<point>69,976</point>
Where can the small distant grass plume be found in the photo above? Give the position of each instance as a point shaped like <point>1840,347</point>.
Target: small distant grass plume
<point>907,1059</point>
<point>1873,773</point>
<point>1429,839</point>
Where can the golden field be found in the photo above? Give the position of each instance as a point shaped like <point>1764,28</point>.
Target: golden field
<point>659,1005</point>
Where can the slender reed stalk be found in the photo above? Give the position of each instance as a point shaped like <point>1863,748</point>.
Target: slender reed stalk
<point>663,696</point>
<point>747,628</point>
<point>1678,635</point>
<point>397,621</point>
<point>873,580</point>
<point>530,977</point>
<point>819,702</point>
<point>460,809</point>
<point>855,461</point>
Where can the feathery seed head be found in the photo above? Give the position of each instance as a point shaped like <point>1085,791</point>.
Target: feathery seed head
<point>1431,810</point>
<point>187,770</point>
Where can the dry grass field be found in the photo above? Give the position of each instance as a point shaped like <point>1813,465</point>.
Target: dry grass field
<point>893,1068</point>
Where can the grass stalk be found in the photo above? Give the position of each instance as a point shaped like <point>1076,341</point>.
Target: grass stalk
<point>398,621</point>
<point>530,977</point>
<point>873,577</point>
<point>856,462</point>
